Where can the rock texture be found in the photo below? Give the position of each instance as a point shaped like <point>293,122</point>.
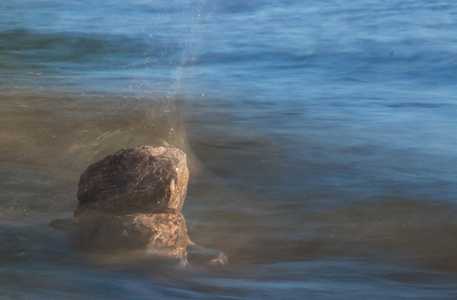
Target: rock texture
<point>163,233</point>
<point>133,199</point>
<point>143,179</point>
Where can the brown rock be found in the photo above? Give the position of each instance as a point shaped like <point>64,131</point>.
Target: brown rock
<point>164,233</point>
<point>139,180</point>
<point>132,200</point>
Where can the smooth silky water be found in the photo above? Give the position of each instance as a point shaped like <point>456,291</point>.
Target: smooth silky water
<point>321,139</point>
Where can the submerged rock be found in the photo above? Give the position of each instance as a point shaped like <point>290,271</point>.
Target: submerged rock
<point>203,257</point>
<point>164,234</point>
<point>132,200</point>
<point>130,207</point>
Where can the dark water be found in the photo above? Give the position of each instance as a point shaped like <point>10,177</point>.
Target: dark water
<point>321,137</point>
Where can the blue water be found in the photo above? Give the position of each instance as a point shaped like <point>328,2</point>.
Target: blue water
<point>321,138</point>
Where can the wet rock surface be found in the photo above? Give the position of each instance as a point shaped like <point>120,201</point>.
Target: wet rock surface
<point>142,179</point>
<point>132,200</point>
<point>164,234</point>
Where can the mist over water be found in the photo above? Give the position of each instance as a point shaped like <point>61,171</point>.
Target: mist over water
<point>320,139</point>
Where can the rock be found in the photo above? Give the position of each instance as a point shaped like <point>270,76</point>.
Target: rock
<point>203,257</point>
<point>143,179</point>
<point>164,234</point>
<point>66,224</point>
<point>132,200</point>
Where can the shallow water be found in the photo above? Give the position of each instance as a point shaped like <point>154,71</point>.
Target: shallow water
<point>320,138</point>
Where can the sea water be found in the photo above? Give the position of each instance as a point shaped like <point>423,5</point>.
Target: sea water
<point>321,138</point>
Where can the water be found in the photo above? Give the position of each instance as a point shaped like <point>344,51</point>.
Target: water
<point>320,136</point>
